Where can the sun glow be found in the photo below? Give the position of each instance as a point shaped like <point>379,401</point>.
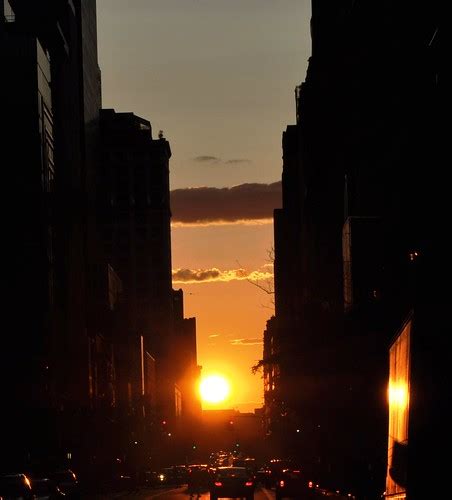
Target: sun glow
<point>214,389</point>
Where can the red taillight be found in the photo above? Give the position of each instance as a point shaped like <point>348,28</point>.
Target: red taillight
<point>218,483</point>
<point>282,484</point>
<point>310,484</point>
<point>249,483</point>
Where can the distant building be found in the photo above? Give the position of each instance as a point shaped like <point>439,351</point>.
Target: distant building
<point>187,369</point>
<point>232,431</point>
<point>134,210</point>
<point>136,241</point>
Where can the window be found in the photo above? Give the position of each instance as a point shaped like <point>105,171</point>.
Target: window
<point>8,12</point>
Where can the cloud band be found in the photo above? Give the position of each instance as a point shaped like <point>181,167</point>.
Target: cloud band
<point>245,203</point>
<point>190,276</point>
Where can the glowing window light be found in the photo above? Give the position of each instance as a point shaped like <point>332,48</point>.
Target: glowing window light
<point>398,394</point>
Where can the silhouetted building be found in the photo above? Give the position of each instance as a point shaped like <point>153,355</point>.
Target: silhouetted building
<point>134,209</point>
<point>349,270</point>
<point>185,360</point>
<point>53,98</point>
<point>271,372</point>
<point>231,431</point>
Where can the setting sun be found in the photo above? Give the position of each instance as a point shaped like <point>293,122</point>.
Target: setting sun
<point>214,389</point>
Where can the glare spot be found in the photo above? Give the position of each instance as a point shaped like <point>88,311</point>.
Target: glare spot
<point>214,389</point>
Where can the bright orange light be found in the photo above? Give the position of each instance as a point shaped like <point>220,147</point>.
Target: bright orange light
<point>398,394</point>
<point>214,389</point>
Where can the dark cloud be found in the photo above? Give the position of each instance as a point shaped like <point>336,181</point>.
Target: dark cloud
<point>255,341</point>
<point>207,159</point>
<point>215,159</point>
<point>209,205</point>
<point>196,275</point>
<point>234,161</point>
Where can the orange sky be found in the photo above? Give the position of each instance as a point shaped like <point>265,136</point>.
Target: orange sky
<point>218,77</point>
<point>230,315</point>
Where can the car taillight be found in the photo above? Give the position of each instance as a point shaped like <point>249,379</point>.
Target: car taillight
<point>282,484</point>
<point>310,484</point>
<point>249,483</point>
<point>218,483</point>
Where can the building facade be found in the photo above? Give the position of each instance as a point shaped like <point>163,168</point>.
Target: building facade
<point>356,218</point>
<point>134,210</point>
<point>52,249</point>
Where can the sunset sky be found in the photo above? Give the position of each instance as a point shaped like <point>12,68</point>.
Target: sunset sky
<point>218,77</point>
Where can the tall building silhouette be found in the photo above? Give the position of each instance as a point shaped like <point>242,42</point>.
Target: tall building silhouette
<point>186,361</point>
<point>99,353</point>
<point>134,208</point>
<point>134,186</point>
<point>53,89</point>
<point>359,211</point>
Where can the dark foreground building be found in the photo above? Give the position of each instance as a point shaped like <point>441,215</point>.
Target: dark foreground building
<point>51,86</point>
<point>360,250</point>
<point>88,369</point>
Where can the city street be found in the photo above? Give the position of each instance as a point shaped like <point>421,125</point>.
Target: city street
<point>226,250</point>
<point>173,494</point>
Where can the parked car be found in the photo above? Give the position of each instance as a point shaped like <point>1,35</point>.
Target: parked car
<point>45,489</point>
<point>232,482</point>
<point>16,487</point>
<point>67,482</point>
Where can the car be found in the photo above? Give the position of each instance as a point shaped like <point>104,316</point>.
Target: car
<point>248,462</point>
<point>15,487</point>
<point>232,482</point>
<point>151,478</point>
<point>198,479</point>
<point>45,489</point>
<point>268,475</point>
<point>67,482</point>
<point>292,483</point>
<point>175,475</point>
<point>180,474</point>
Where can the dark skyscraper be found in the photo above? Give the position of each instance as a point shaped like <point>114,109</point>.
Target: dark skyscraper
<point>155,348</point>
<point>360,209</point>
<point>53,90</point>
<point>133,189</point>
<point>91,363</point>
